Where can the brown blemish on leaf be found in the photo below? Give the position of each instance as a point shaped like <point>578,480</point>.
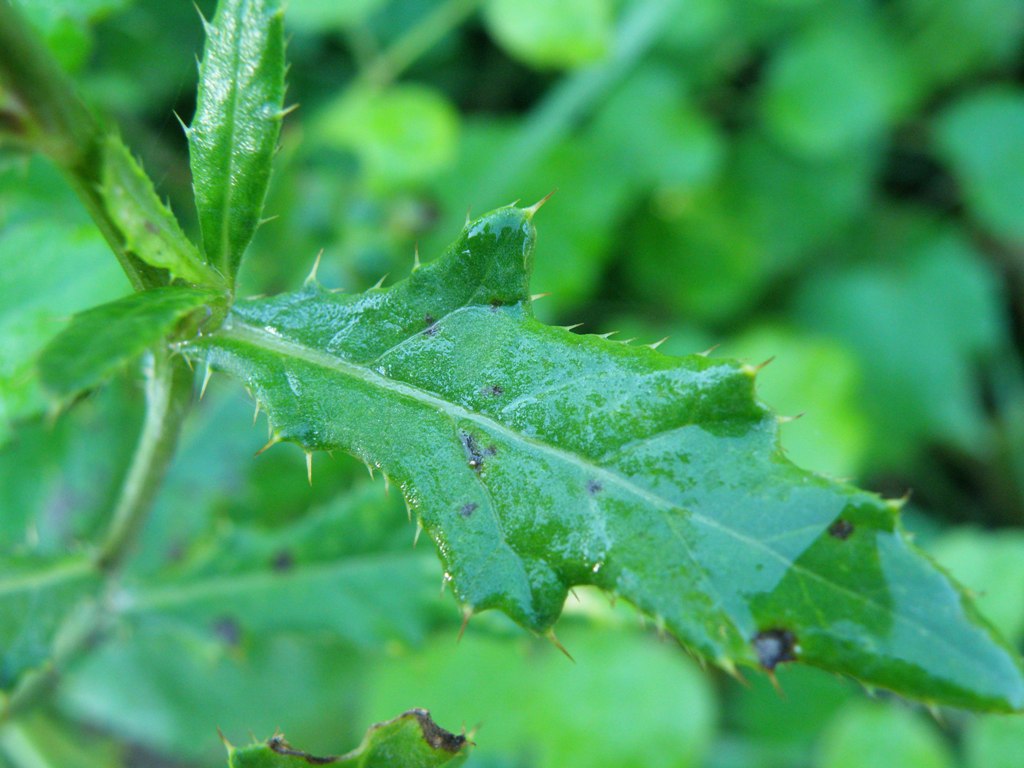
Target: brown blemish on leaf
<point>496,304</point>
<point>468,509</point>
<point>841,529</point>
<point>283,561</point>
<point>277,744</point>
<point>594,487</point>
<point>227,630</point>
<point>494,391</point>
<point>474,456</point>
<point>431,323</point>
<point>436,736</point>
<point>774,646</point>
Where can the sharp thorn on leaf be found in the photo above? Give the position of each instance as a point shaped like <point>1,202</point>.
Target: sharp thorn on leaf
<point>788,419</point>
<point>553,638</point>
<point>311,277</point>
<point>709,350</point>
<point>256,413</point>
<point>531,210</point>
<point>539,296</point>
<point>468,219</point>
<point>467,614</point>
<point>369,468</point>
<point>224,740</point>
<point>416,257</point>
<point>775,683</point>
<point>573,593</point>
<point>379,283</point>
<point>658,343</point>
<point>419,530</point>
<point>572,327</point>
<point>387,484</point>
<point>274,440</point>
<point>206,380</point>
<point>760,366</point>
<point>606,335</point>
<point>309,467</point>
<point>188,362</point>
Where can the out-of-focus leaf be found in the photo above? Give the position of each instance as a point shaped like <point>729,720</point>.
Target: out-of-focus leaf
<point>835,87</point>
<point>539,460</point>
<point>238,117</point>
<point>54,263</point>
<point>401,135</point>
<point>38,599</point>
<point>101,340</point>
<point>59,481</point>
<point>982,138</point>
<point>64,25</point>
<point>991,565</point>
<point>810,699</point>
<point>918,357</point>
<point>41,741</point>
<point>149,229</point>
<point>709,254</point>
<point>411,740</point>
<point>318,16</point>
<point>865,735</point>
<point>819,379</point>
<point>565,34</point>
<point>168,690</point>
<point>994,742</point>
<point>629,700</point>
<point>971,36</point>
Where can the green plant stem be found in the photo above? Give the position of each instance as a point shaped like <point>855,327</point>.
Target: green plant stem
<point>421,38</point>
<point>168,397</point>
<point>60,126</point>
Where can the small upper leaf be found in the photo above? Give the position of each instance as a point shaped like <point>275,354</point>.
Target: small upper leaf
<point>101,340</point>
<point>234,134</point>
<point>538,459</point>
<point>150,230</point>
<point>411,740</point>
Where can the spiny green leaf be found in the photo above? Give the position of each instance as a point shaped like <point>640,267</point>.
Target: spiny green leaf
<point>411,740</point>
<point>38,598</point>
<point>538,459</point>
<point>101,340</point>
<point>234,134</point>
<point>150,230</point>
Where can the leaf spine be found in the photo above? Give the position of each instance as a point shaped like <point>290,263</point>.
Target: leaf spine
<point>553,639</point>
<point>532,209</point>
<point>311,277</point>
<point>309,467</point>
<point>206,380</point>
<point>658,343</point>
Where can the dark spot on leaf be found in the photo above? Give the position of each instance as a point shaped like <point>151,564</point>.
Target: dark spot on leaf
<point>278,745</point>
<point>494,391</point>
<point>492,450</point>
<point>228,631</point>
<point>283,561</point>
<point>474,455</point>
<point>775,646</point>
<point>151,227</point>
<point>431,323</point>
<point>468,509</point>
<point>436,736</point>
<point>594,487</point>
<point>496,304</point>
<point>841,529</point>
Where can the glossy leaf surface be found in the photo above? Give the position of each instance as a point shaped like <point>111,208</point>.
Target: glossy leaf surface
<point>538,459</point>
<point>411,740</point>
<point>238,119</point>
<point>101,340</point>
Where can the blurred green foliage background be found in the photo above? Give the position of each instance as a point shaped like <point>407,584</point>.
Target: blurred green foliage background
<point>837,184</point>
